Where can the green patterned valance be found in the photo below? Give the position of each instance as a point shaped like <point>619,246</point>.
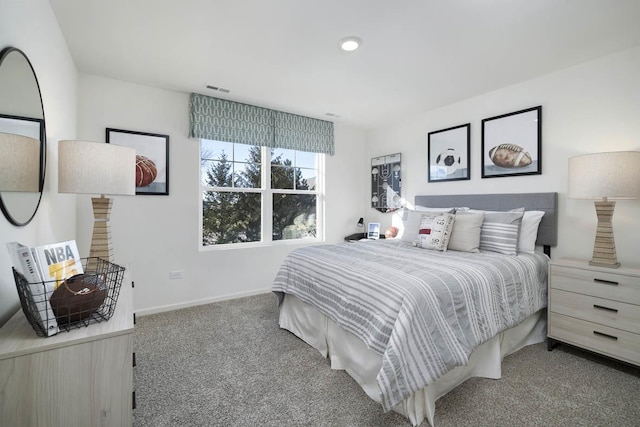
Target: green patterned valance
<point>222,120</point>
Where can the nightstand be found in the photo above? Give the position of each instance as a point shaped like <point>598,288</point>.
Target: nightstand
<point>595,308</point>
<point>79,378</point>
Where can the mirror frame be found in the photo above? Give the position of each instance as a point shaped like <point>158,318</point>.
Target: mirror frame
<point>43,143</point>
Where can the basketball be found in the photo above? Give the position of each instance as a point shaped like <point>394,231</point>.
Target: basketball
<point>391,233</point>
<point>146,171</point>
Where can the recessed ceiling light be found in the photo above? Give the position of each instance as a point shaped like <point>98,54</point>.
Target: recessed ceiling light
<point>349,44</point>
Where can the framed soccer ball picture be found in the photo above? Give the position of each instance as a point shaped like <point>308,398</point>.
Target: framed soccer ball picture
<point>448,154</point>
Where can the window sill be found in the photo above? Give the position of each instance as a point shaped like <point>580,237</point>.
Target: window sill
<point>253,245</point>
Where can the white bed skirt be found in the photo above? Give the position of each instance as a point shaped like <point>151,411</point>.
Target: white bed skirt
<point>349,353</point>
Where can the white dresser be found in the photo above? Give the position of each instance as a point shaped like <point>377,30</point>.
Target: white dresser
<point>79,378</point>
<point>596,308</point>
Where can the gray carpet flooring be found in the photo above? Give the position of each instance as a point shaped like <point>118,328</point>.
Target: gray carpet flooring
<point>229,364</point>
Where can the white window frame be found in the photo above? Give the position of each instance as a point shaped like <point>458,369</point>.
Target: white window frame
<point>267,204</point>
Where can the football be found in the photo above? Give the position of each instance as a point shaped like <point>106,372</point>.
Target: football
<point>510,156</point>
<point>77,298</point>
<point>448,160</point>
<point>146,171</point>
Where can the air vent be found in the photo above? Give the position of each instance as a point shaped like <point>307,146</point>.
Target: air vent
<point>219,89</point>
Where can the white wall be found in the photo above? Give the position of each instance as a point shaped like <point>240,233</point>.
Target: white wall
<point>30,25</point>
<point>588,108</point>
<point>153,235</point>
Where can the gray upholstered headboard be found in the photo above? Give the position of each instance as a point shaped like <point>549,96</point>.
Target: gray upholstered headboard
<point>547,202</point>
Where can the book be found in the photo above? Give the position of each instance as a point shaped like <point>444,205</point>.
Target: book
<point>38,291</point>
<point>58,261</point>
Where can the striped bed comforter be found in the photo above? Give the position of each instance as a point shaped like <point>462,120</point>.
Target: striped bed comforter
<point>423,311</point>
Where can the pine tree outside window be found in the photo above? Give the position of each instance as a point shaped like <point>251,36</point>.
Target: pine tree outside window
<point>255,195</point>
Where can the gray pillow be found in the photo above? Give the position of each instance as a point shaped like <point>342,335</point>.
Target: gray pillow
<point>500,231</point>
<point>465,236</point>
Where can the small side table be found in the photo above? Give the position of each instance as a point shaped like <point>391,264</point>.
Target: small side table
<point>595,308</point>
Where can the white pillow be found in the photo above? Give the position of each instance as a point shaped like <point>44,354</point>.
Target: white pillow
<point>435,231</point>
<point>465,236</point>
<point>427,209</point>
<point>529,231</point>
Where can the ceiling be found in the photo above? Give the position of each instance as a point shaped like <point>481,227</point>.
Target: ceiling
<point>283,54</point>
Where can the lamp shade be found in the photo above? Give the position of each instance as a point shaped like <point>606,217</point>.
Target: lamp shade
<point>614,175</point>
<point>86,167</point>
<point>19,163</point>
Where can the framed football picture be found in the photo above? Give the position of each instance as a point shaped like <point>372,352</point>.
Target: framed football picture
<point>512,144</point>
<point>152,159</point>
<point>448,154</point>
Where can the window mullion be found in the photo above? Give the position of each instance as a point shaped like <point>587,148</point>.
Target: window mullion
<point>267,196</point>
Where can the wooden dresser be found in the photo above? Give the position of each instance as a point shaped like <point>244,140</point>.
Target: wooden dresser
<point>79,378</point>
<point>596,308</point>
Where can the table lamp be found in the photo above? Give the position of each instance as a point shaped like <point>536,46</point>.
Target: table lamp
<point>19,165</point>
<point>97,168</point>
<point>605,176</point>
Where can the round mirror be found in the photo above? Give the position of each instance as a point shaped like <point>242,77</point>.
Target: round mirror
<point>21,113</point>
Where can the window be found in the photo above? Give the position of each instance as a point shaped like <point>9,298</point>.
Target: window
<point>258,194</point>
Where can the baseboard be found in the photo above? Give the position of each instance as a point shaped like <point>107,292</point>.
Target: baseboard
<point>194,303</point>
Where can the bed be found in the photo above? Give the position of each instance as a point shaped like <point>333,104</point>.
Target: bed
<point>411,324</point>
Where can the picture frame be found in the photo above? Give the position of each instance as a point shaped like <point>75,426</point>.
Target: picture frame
<point>373,230</point>
<point>152,154</point>
<point>31,127</point>
<point>26,126</point>
<point>448,154</point>
<point>386,182</point>
<point>512,144</point>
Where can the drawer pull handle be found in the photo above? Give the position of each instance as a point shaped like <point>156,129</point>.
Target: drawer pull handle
<point>606,282</point>
<point>613,310</point>
<point>605,335</point>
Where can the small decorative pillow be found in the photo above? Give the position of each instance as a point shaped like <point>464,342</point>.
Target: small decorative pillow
<point>500,231</point>
<point>465,236</point>
<point>435,231</point>
<point>412,220</point>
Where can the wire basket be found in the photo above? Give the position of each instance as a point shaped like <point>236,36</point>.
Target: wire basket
<point>74,303</point>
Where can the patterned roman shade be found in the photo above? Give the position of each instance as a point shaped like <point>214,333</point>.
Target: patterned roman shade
<point>222,120</point>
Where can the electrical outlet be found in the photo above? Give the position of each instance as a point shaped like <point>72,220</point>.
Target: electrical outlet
<point>175,275</point>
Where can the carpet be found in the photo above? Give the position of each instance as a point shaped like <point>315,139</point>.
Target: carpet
<point>229,364</point>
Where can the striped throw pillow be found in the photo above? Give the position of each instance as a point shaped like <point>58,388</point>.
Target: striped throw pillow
<point>500,231</point>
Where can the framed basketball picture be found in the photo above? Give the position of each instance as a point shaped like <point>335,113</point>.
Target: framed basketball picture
<point>152,159</point>
<point>448,154</point>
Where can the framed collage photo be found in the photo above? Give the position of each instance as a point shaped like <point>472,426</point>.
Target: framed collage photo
<point>152,159</point>
<point>512,144</point>
<point>448,154</point>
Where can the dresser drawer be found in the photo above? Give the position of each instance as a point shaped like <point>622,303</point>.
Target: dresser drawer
<point>602,339</point>
<point>612,286</point>
<point>615,314</point>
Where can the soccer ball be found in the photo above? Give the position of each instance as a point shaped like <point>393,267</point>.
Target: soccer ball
<point>448,161</point>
